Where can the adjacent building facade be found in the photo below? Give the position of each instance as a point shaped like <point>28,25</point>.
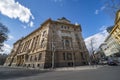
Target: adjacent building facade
<point>99,54</point>
<point>116,30</point>
<point>54,44</point>
<point>111,46</point>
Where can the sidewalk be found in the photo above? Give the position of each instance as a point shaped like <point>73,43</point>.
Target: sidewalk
<point>78,68</point>
<point>87,67</point>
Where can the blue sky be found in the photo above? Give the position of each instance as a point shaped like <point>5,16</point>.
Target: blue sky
<point>24,16</point>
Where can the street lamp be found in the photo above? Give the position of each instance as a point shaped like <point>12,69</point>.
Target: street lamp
<point>53,50</point>
<point>53,55</point>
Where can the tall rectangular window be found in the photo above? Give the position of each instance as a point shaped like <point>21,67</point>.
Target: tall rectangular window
<point>82,56</point>
<point>64,57</point>
<point>24,46</point>
<point>31,58</point>
<point>69,56</point>
<point>33,43</point>
<point>39,57</point>
<point>36,41</point>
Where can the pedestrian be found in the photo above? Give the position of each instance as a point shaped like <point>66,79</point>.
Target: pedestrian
<point>96,63</point>
<point>89,63</point>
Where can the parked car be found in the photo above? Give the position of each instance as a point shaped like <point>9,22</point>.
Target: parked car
<point>103,62</point>
<point>112,63</point>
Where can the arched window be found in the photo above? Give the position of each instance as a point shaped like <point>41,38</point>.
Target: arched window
<point>44,33</point>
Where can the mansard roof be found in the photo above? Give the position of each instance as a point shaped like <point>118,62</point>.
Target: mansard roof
<point>63,19</point>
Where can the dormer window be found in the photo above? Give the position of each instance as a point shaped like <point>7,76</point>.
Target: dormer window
<point>64,27</point>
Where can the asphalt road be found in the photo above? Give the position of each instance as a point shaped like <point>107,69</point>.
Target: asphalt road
<point>102,73</point>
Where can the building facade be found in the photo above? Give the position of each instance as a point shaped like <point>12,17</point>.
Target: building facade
<point>116,29</point>
<point>54,44</point>
<point>111,48</point>
<point>99,54</point>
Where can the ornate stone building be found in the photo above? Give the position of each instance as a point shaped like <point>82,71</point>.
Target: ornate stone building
<point>54,44</point>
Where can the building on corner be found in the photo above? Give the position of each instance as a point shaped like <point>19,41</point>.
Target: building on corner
<point>54,44</point>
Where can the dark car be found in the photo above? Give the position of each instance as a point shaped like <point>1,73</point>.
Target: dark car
<point>112,63</point>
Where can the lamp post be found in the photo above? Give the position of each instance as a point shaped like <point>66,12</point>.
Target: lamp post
<point>53,55</point>
<point>53,49</point>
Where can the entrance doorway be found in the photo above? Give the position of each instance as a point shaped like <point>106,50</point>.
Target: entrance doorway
<point>70,64</point>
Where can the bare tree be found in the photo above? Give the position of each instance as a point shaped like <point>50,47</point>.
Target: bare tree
<point>92,41</point>
<point>3,58</point>
<point>3,34</point>
<point>111,7</point>
<point>92,49</point>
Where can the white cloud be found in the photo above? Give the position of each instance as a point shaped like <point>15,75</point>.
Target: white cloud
<point>97,40</point>
<point>57,0</point>
<point>7,49</point>
<point>103,28</point>
<point>96,11</point>
<point>10,37</point>
<point>102,8</point>
<point>15,10</point>
<point>31,24</point>
<point>99,10</point>
<point>24,26</point>
<point>60,2</point>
